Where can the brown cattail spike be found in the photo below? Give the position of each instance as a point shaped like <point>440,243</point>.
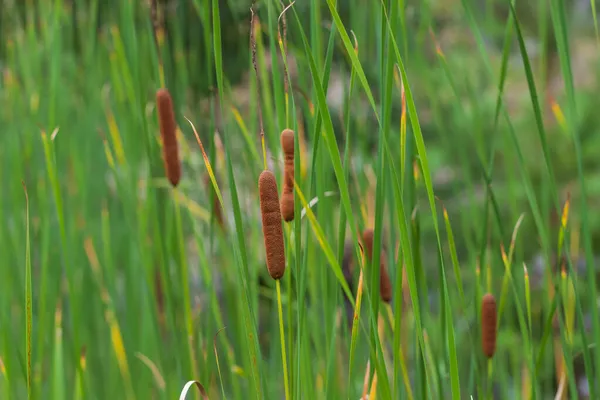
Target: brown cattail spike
<point>385,285</point>
<point>287,194</point>
<point>488,325</point>
<point>168,133</point>
<point>271,224</point>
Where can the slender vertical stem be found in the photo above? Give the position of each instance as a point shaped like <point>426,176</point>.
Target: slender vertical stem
<point>28,295</point>
<point>282,333</point>
<point>185,286</point>
<point>489,380</point>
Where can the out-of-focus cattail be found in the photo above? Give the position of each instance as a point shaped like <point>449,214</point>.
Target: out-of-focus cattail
<point>271,224</point>
<point>385,285</point>
<point>348,262</point>
<point>215,200</point>
<point>488,325</point>
<point>367,238</point>
<point>287,194</point>
<point>168,133</point>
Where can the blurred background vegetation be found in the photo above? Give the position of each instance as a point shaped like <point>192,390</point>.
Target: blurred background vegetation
<point>84,72</point>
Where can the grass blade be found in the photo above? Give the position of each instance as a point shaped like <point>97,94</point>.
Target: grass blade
<point>188,386</point>
<point>28,296</point>
<point>557,12</point>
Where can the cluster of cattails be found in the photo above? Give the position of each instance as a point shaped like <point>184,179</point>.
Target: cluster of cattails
<point>488,325</point>
<point>168,134</point>
<point>385,285</point>
<point>273,210</point>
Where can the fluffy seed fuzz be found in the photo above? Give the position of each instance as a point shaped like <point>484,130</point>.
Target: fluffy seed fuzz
<point>168,133</point>
<point>271,224</point>
<point>385,285</point>
<point>287,194</point>
<point>488,325</point>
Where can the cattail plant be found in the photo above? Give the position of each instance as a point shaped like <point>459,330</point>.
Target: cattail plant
<point>385,285</point>
<point>488,325</point>
<point>287,194</point>
<point>273,237</point>
<point>385,290</point>
<point>168,128</point>
<point>271,224</point>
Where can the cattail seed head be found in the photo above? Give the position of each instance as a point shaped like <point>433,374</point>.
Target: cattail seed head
<point>287,194</point>
<point>287,143</point>
<point>488,325</point>
<point>385,285</point>
<point>287,206</point>
<point>168,133</point>
<point>271,224</point>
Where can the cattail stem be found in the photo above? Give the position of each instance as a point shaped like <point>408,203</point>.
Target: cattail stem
<point>490,385</point>
<point>185,287</point>
<point>282,334</point>
<point>254,18</point>
<point>264,151</point>
<point>161,74</point>
<point>282,39</point>
<point>290,314</point>
<point>158,28</point>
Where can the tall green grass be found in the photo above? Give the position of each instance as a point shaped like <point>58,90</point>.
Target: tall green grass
<point>436,124</point>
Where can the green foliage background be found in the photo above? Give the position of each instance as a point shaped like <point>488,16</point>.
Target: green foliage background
<point>455,133</point>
